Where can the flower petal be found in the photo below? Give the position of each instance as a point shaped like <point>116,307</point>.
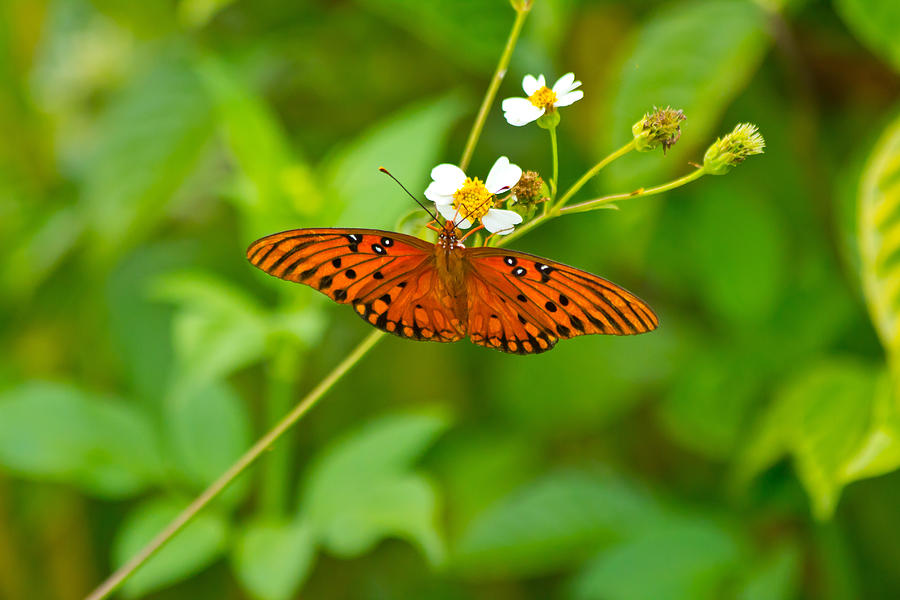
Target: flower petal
<point>448,178</point>
<point>501,221</point>
<point>570,98</point>
<point>565,84</point>
<point>449,212</point>
<point>520,111</point>
<point>433,193</point>
<point>502,176</point>
<point>531,85</point>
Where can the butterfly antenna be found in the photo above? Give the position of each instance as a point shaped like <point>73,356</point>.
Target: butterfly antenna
<point>425,208</point>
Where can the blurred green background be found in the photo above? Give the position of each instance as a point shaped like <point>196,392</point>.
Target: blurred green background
<point>747,449</point>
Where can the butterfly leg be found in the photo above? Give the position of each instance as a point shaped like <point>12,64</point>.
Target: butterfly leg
<point>471,231</point>
<point>487,240</point>
<point>432,227</point>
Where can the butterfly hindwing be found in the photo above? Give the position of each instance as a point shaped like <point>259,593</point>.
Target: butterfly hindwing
<point>388,277</point>
<point>547,297</point>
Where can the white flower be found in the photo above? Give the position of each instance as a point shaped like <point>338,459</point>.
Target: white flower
<point>541,99</point>
<point>462,199</point>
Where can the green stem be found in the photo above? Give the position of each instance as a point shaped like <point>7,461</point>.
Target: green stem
<point>593,171</point>
<point>282,379</point>
<point>599,202</point>
<point>553,146</point>
<point>499,74</point>
<point>116,579</point>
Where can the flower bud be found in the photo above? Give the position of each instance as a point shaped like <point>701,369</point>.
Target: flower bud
<point>660,127</point>
<point>530,189</point>
<point>745,140</point>
<point>549,120</point>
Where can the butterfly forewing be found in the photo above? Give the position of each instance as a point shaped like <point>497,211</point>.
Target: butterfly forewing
<point>388,277</point>
<point>547,298</point>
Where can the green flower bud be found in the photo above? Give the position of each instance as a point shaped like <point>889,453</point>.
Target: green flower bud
<point>549,120</point>
<point>662,127</point>
<point>745,140</point>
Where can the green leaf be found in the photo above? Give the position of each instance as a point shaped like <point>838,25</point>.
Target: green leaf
<point>273,558</point>
<point>879,452</point>
<point>279,189</point>
<point>408,144</point>
<point>39,251</point>
<point>218,328</point>
<point>573,513</point>
<point>468,31</point>
<point>879,236</point>
<point>197,13</point>
<point>195,547</point>
<point>59,433</point>
<point>208,428</point>
<point>876,23</point>
<point>776,578</point>
<point>360,489</point>
<point>707,402</point>
<point>686,559</point>
<point>821,417</point>
<point>696,56</point>
<point>153,135</point>
<point>740,276</point>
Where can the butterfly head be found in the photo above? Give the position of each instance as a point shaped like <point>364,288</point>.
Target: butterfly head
<point>448,238</point>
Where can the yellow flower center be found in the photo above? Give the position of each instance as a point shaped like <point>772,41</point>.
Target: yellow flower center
<point>472,200</point>
<point>543,98</point>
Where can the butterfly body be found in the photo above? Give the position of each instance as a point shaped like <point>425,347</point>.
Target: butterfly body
<point>502,299</point>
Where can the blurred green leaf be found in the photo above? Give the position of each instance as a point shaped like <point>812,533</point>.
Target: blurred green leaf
<point>879,236</point>
<point>39,251</point>
<point>737,251</point>
<point>208,427</point>
<point>682,559</point>
<point>706,405</point>
<point>821,417</point>
<point>776,578</point>
<point>193,548</point>
<point>361,489</point>
<point>140,328</point>
<point>56,432</point>
<point>218,328</point>
<point>197,13</point>
<point>408,144</point>
<point>573,513</point>
<point>471,32</point>
<point>696,56</point>
<point>273,558</point>
<point>153,135</point>
<point>879,452</point>
<point>876,23</point>
<point>281,190</point>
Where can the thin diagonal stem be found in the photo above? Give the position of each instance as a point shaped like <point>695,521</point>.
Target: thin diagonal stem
<point>116,579</point>
<point>600,202</point>
<point>593,171</point>
<point>499,74</point>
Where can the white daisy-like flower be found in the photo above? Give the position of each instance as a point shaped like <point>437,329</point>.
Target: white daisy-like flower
<point>541,99</point>
<point>463,199</point>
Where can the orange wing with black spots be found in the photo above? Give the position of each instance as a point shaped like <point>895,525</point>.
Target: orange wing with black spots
<point>522,303</point>
<point>388,277</point>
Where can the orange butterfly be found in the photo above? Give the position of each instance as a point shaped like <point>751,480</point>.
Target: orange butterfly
<point>511,301</point>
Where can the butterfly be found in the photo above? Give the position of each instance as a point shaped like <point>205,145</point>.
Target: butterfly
<point>511,301</point>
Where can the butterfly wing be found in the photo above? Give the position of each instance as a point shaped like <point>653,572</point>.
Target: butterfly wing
<point>388,277</point>
<point>523,304</point>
